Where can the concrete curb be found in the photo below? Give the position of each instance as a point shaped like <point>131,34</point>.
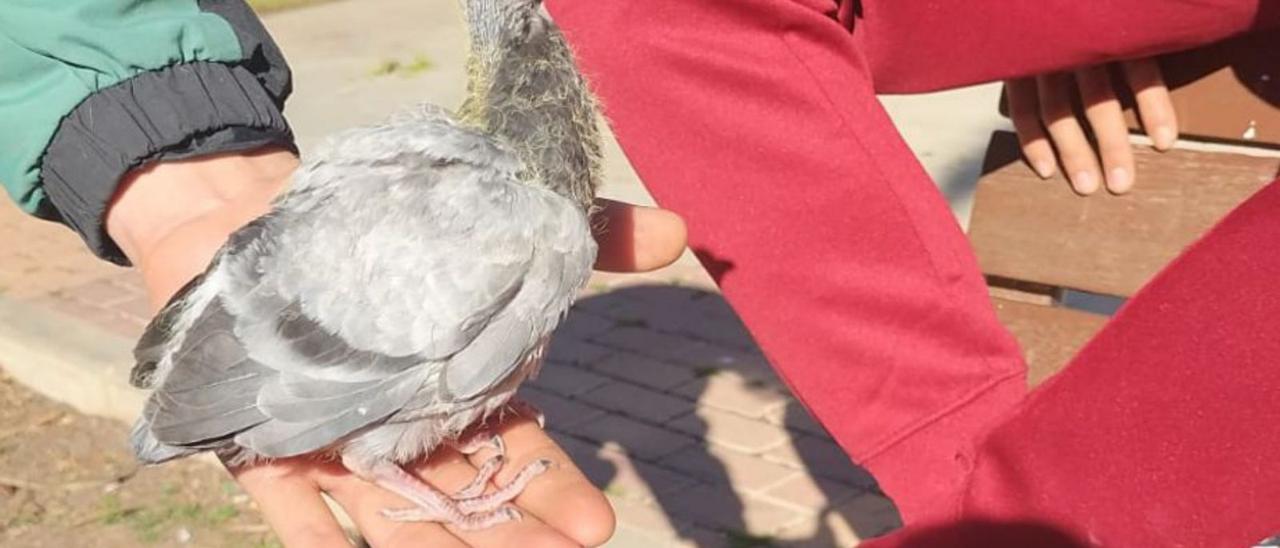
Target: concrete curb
<point>73,362</point>
<point>68,360</point>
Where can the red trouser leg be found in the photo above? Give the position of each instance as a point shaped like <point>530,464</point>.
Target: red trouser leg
<point>918,45</point>
<point>756,120</point>
<point>1161,432</point>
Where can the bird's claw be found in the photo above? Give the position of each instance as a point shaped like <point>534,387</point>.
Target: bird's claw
<point>481,482</point>
<point>470,522</point>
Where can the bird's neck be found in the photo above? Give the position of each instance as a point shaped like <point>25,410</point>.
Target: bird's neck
<point>534,99</point>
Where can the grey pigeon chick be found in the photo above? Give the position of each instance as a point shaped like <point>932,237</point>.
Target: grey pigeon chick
<point>402,288</point>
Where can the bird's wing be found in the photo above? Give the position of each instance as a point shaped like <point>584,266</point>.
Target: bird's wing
<point>296,347</point>
<point>560,268</point>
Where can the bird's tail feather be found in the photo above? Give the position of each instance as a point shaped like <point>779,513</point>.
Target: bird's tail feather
<point>150,450</point>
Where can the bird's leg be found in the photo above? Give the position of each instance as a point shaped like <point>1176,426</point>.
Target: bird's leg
<point>508,492</point>
<point>431,504</point>
<point>483,477</point>
<point>483,504</point>
<point>481,440</point>
<point>485,439</point>
<point>476,443</point>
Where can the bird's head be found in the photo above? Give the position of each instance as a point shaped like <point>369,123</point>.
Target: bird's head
<point>503,25</point>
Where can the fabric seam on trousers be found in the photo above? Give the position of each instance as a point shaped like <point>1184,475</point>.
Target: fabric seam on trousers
<point>888,441</point>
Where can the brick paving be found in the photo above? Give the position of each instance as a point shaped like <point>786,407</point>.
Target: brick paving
<point>46,264</point>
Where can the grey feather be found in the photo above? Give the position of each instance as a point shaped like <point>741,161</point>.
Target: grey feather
<point>284,438</point>
<point>403,286</point>
<point>150,348</point>
<point>491,357</point>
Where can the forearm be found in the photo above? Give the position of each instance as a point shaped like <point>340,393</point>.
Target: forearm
<point>170,218</point>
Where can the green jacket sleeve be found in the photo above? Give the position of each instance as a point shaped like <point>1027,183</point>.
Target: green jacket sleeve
<point>90,89</point>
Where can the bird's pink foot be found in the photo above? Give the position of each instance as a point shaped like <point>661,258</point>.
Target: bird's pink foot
<point>478,442</point>
<point>470,508</point>
<point>482,505</point>
<point>481,482</point>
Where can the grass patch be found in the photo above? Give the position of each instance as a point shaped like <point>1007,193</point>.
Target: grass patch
<point>149,524</point>
<point>267,6</point>
<point>419,64</point>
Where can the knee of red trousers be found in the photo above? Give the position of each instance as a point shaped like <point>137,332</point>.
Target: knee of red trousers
<point>926,471</point>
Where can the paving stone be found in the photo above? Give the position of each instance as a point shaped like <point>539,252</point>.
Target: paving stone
<point>639,480</point>
<point>698,536</point>
<point>718,507</point>
<point>699,355</point>
<point>717,465</point>
<point>561,413</point>
<point>138,308</point>
<point>102,318</point>
<point>586,455</point>
<point>749,364</point>
<point>870,515</point>
<point>598,296</point>
<point>648,520</point>
<point>795,417</point>
<point>100,292</point>
<point>636,438</point>
<point>643,370</point>
<point>567,380</point>
<point>732,392</point>
<point>821,531</point>
<point>811,494</point>
<point>620,476</point>
<point>667,347</point>
<point>731,430</point>
<point>670,314</point>
<point>658,296</point>
<point>637,402</point>
<point>727,332</point>
<point>582,325</point>
<point>628,536</point>
<point>821,457</point>
<point>565,349</point>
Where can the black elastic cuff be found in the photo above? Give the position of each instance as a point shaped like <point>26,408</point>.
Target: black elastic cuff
<point>182,111</point>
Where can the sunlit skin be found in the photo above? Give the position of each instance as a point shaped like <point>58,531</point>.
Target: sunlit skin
<point>171,218</point>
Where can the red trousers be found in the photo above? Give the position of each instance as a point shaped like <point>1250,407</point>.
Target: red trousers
<point>757,121</point>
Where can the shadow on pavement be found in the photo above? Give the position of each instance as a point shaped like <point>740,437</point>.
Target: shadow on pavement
<point>621,390</point>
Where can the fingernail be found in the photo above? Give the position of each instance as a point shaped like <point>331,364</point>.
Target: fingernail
<point>1043,168</point>
<point>1119,180</point>
<point>1165,137</point>
<point>1085,182</point>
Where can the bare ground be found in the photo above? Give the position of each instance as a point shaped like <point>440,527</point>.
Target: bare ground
<point>67,479</point>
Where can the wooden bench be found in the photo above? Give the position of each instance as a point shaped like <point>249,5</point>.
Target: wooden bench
<point>1037,241</point>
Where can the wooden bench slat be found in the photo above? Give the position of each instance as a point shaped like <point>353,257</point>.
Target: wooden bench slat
<point>1024,228</point>
<point>1229,91</point>
<point>1050,336</point>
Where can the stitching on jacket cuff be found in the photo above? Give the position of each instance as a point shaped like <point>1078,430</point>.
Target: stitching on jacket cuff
<point>182,111</point>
